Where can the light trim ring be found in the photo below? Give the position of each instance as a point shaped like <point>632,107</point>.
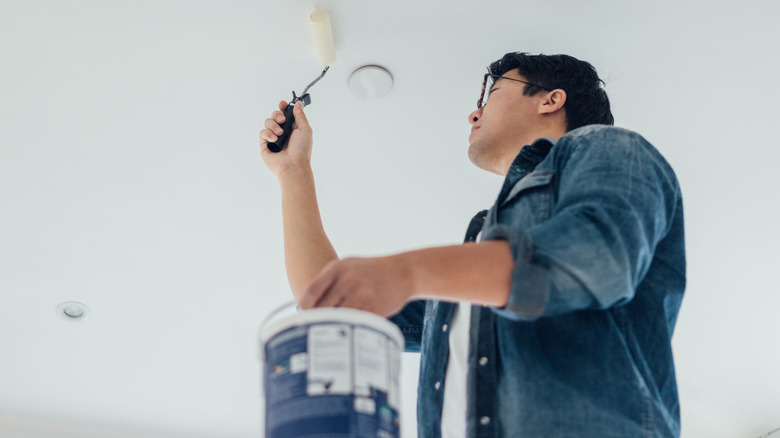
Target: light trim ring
<point>73,311</point>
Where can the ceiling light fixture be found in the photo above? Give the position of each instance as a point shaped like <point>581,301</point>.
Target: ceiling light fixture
<point>73,311</point>
<point>371,82</point>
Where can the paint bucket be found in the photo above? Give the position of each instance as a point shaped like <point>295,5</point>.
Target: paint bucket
<point>331,373</point>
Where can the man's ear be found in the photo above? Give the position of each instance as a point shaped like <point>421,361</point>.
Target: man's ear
<point>552,101</point>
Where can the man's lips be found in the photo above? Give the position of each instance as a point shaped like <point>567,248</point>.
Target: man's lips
<point>473,129</point>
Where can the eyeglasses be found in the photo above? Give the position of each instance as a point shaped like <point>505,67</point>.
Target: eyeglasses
<point>493,78</point>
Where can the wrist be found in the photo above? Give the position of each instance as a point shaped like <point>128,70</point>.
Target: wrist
<point>295,173</point>
<point>408,274</point>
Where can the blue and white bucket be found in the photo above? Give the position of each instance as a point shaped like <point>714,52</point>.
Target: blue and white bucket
<point>331,373</point>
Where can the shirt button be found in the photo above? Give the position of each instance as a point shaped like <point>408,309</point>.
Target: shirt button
<point>444,328</point>
<point>437,385</point>
<point>483,361</point>
<point>484,421</point>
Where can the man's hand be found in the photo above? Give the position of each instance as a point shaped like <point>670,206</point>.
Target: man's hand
<point>381,285</point>
<point>297,154</point>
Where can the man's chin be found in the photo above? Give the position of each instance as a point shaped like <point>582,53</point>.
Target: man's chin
<point>473,154</point>
<point>479,158</point>
<point>476,156</point>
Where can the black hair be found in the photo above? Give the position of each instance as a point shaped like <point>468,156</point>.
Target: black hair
<point>586,101</point>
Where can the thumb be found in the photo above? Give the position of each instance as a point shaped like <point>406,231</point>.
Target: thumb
<point>300,117</point>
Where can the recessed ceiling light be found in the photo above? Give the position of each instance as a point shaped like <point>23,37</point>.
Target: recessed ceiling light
<point>371,82</point>
<point>73,311</point>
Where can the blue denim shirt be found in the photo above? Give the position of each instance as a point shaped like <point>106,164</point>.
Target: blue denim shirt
<point>583,346</point>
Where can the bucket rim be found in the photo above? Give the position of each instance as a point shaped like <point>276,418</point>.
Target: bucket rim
<point>337,315</point>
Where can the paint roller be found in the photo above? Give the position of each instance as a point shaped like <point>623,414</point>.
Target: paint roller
<point>326,53</point>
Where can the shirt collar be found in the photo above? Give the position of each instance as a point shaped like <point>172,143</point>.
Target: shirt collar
<point>530,156</point>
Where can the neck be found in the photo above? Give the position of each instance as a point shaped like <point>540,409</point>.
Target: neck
<point>511,153</point>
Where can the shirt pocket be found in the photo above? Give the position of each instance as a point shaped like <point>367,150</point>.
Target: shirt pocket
<point>529,200</point>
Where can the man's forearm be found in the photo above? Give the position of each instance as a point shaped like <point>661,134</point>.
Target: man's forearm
<point>306,246</point>
<point>477,272</point>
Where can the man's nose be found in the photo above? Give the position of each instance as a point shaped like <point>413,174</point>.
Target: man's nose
<point>474,117</point>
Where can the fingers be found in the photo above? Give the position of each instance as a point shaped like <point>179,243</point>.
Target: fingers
<point>266,136</point>
<point>273,125</point>
<point>334,297</point>
<point>278,115</point>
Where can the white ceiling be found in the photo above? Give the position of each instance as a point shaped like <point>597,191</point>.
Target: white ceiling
<point>131,180</point>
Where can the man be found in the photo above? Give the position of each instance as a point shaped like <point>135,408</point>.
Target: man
<point>558,322</point>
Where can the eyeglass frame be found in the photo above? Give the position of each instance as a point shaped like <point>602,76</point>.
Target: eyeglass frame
<point>496,78</point>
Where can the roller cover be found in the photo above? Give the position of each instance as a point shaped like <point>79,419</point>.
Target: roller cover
<point>323,37</point>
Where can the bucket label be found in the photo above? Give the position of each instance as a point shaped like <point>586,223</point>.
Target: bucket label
<point>334,380</point>
<point>370,361</point>
<point>394,374</point>
<point>330,367</point>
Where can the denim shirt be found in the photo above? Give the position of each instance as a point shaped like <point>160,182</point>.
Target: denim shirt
<point>582,348</point>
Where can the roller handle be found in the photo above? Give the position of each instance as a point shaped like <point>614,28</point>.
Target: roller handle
<point>289,121</point>
<point>287,128</point>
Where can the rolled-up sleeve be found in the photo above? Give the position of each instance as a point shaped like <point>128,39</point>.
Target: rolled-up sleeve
<point>410,321</point>
<point>612,202</point>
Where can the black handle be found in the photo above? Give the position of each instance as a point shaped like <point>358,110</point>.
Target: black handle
<point>287,128</point>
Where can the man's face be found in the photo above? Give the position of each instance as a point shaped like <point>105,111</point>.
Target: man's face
<point>502,126</point>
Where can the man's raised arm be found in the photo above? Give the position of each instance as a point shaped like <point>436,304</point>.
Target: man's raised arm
<point>307,249</point>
